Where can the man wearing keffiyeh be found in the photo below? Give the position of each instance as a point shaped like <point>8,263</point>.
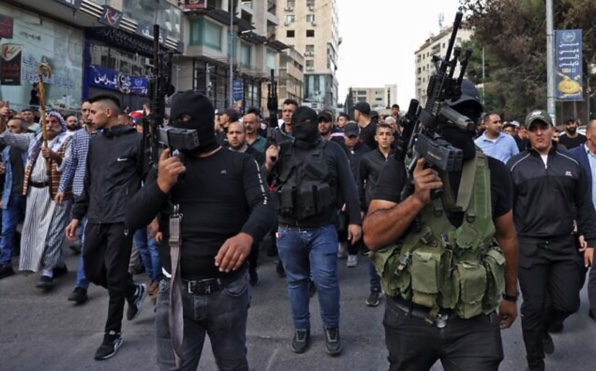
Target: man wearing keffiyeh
<point>42,237</point>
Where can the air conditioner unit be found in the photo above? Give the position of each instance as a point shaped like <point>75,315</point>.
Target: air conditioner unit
<point>289,8</point>
<point>286,23</point>
<point>311,8</point>
<point>313,23</point>
<point>310,69</point>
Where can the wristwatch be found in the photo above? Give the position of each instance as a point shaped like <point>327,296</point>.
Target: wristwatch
<point>512,298</point>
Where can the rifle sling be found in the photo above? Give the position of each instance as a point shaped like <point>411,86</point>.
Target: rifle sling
<point>464,193</point>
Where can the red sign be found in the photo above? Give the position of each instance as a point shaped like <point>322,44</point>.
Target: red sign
<point>6,27</point>
<point>195,4</point>
<point>10,64</point>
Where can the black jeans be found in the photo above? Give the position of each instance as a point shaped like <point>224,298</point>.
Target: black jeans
<point>550,277</point>
<point>592,289</point>
<point>462,345</point>
<point>106,255</point>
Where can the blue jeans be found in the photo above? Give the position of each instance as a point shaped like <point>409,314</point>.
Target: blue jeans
<point>305,253</point>
<point>81,278</point>
<point>11,216</point>
<point>221,315</point>
<point>375,280</point>
<point>149,255</point>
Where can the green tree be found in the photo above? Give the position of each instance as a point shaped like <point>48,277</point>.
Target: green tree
<point>513,36</point>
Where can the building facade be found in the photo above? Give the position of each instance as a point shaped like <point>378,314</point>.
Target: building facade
<point>435,45</point>
<point>224,33</point>
<point>90,46</point>
<point>311,28</point>
<point>291,76</point>
<point>380,98</point>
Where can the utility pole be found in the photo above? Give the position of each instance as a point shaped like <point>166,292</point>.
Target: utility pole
<point>231,51</point>
<point>208,81</point>
<point>550,59</point>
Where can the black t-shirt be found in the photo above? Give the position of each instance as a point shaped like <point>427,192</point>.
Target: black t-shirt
<point>393,179</point>
<point>569,142</point>
<point>367,135</point>
<point>18,171</point>
<point>220,195</point>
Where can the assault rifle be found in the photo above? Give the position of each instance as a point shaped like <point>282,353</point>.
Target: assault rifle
<point>272,107</point>
<point>160,87</point>
<point>420,138</point>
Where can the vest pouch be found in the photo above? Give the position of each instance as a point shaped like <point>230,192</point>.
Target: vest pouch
<point>466,236</point>
<point>450,288</point>
<point>494,262</point>
<point>284,200</point>
<point>427,275</point>
<point>324,197</point>
<point>471,278</point>
<point>307,197</point>
<point>387,261</point>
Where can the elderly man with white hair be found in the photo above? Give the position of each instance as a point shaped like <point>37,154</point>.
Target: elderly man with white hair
<point>42,234</point>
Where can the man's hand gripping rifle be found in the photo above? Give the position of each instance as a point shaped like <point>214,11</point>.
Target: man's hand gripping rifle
<point>420,138</point>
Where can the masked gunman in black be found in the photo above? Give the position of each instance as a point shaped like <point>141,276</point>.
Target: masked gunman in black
<point>310,176</point>
<point>212,207</point>
<point>439,267</point>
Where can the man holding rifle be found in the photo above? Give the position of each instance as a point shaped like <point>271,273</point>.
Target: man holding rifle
<point>433,244</point>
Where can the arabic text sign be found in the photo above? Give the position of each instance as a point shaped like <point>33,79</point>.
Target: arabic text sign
<point>113,80</point>
<point>75,4</point>
<point>147,31</point>
<point>568,65</point>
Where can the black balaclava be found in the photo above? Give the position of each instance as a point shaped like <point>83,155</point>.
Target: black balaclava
<point>467,104</point>
<point>202,117</point>
<point>305,127</point>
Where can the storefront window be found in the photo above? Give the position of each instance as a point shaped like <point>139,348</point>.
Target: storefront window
<point>117,60</point>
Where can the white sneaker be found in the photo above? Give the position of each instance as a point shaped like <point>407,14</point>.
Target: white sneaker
<point>342,250</point>
<point>352,261</point>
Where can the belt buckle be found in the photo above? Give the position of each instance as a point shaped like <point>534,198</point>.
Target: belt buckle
<point>207,289</point>
<point>441,320</point>
<point>190,287</point>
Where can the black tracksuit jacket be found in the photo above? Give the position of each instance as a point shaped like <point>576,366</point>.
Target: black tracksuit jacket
<point>113,175</point>
<point>548,199</point>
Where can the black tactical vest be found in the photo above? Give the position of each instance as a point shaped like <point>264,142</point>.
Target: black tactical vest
<point>301,190</point>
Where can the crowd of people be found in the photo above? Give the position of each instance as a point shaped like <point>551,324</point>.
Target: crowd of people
<point>325,188</point>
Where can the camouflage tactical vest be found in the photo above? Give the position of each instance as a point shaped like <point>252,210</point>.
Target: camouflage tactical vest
<point>441,266</point>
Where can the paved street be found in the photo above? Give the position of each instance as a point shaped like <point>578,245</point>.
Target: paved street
<point>45,332</point>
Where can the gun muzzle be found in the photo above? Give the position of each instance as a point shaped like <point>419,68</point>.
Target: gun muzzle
<point>462,122</point>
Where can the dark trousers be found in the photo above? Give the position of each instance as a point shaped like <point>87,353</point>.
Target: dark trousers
<point>592,290</point>
<point>253,257</point>
<point>106,254</point>
<point>462,345</point>
<point>550,278</point>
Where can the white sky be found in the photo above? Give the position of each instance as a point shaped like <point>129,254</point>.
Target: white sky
<point>380,38</point>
